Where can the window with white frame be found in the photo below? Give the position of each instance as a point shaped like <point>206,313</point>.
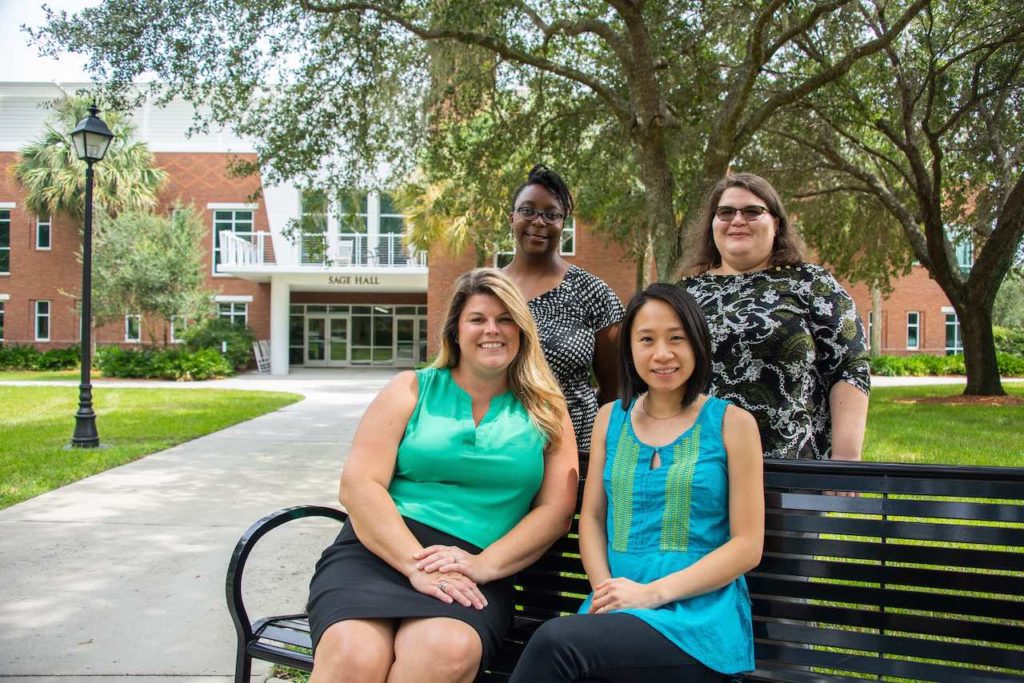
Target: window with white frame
<point>1,323</point>
<point>965,255</point>
<point>871,327</point>
<point>235,311</point>
<point>954,341</point>
<point>913,330</point>
<point>43,233</point>
<point>568,246</point>
<point>178,325</point>
<point>5,241</point>
<point>238,221</point>
<point>42,321</point>
<point>133,327</point>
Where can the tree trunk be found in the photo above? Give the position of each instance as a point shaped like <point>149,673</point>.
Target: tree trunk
<point>979,351</point>
<point>876,318</point>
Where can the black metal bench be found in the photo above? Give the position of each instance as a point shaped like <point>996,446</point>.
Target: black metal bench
<point>919,577</point>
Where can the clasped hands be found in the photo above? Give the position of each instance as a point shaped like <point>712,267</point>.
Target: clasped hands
<point>620,593</point>
<point>449,574</point>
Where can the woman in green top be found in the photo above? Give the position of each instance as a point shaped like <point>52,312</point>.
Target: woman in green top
<point>460,475</point>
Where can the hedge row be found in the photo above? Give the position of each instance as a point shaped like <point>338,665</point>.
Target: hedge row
<point>19,357</point>
<point>176,364</point>
<point>1010,365</point>
<point>113,361</point>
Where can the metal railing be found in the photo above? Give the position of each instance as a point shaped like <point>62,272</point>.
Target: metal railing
<point>320,249</point>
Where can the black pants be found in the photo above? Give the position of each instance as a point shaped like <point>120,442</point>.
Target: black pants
<point>613,648</point>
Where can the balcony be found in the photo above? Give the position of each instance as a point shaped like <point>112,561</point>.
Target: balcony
<point>247,251</point>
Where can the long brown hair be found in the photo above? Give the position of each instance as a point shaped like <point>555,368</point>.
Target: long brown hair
<point>702,254</point>
<point>529,377</point>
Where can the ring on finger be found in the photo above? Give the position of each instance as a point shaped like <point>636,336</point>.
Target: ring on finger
<point>443,585</point>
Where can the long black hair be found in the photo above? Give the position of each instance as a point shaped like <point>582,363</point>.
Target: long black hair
<point>694,326</point>
<point>550,181</point>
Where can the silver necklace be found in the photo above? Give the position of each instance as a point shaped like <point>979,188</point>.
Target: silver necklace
<point>643,407</point>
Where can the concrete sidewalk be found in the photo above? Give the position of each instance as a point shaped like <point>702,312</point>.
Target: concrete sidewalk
<point>122,574</point>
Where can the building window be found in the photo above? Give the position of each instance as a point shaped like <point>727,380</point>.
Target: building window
<point>178,325</point>
<point>133,327</point>
<point>569,237</point>
<point>237,221</point>
<point>1,323</point>
<point>43,233</point>
<point>871,327</point>
<point>236,312</point>
<point>965,255</point>
<point>954,342</point>
<point>913,330</point>
<point>42,321</point>
<point>5,241</point>
<point>353,211</point>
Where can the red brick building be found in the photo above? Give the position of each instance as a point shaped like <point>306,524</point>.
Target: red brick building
<point>351,294</point>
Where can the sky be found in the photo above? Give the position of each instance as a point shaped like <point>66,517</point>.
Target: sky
<point>21,62</point>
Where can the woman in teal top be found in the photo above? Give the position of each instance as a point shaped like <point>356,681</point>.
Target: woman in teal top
<point>459,475</point>
<point>673,515</point>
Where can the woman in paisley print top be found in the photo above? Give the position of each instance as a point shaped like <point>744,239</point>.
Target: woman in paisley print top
<point>577,314</point>
<point>787,342</point>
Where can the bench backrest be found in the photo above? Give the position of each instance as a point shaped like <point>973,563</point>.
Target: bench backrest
<point>921,575</point>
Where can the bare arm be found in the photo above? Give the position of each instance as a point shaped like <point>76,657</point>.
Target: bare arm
<point>606,345</point>
<point>849,407</point>
<point>723,565</point>
<point>368,471</point>
<point>593,514</point>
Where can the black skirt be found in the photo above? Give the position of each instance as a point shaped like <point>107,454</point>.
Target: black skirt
<point>351,582</point>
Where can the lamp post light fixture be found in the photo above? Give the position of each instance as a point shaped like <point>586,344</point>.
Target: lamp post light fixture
<point>91,138</point>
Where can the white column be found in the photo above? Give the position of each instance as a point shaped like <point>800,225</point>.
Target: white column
<point>280,299</point>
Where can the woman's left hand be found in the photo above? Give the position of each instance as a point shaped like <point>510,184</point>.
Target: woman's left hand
<point>620,593</point>
<point>450,558</point>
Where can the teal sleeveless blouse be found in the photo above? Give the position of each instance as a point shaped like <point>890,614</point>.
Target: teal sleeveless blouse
<point>661,521</point>
<point>472,481</point>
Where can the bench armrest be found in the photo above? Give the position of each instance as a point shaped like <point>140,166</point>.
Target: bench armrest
<point>233,584</point>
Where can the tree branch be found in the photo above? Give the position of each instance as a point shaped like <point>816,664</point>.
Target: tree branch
<point>479,39</point>
<point>757,118</point>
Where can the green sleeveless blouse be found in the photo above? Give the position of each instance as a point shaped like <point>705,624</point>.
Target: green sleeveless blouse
<point>472,481</point>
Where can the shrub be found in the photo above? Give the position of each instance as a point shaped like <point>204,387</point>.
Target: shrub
<point>176,364</point>
<point>1009,340</point>
<point>1010,365</point>
<point>210,333</point>
<point>23,357</point>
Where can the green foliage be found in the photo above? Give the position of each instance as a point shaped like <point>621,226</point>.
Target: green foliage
<point>35,426</point>
<point>211,332</point>
<point>176,364</point>
<point>54,178</point>
<point>618,96</point>
<point>1009,340</point>
<point>24,357</point>
<point>920,365</point>
<point>1008,309</point>
<point>144,263</point>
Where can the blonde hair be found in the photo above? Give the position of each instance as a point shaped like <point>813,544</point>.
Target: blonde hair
<point>529,377</point>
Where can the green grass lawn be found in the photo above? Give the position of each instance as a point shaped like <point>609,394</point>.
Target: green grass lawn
<point>36,423</point>
<point>43,376</point>
<point>903,431</point>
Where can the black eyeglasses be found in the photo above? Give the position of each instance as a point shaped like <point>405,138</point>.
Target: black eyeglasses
<point>750,213</point>
<point>530,213</point>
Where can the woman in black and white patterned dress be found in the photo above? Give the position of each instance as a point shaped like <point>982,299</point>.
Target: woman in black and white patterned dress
<point>787,343</point>
<point>577,314</point>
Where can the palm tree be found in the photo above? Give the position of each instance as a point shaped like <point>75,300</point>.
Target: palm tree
<point>54,178</point>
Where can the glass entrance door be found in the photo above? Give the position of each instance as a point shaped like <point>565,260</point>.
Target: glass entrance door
<point>316,341</point>
<point>338,344</point>
<point>406,337</point>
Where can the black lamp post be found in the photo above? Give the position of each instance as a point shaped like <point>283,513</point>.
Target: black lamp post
<point>91,138</point>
